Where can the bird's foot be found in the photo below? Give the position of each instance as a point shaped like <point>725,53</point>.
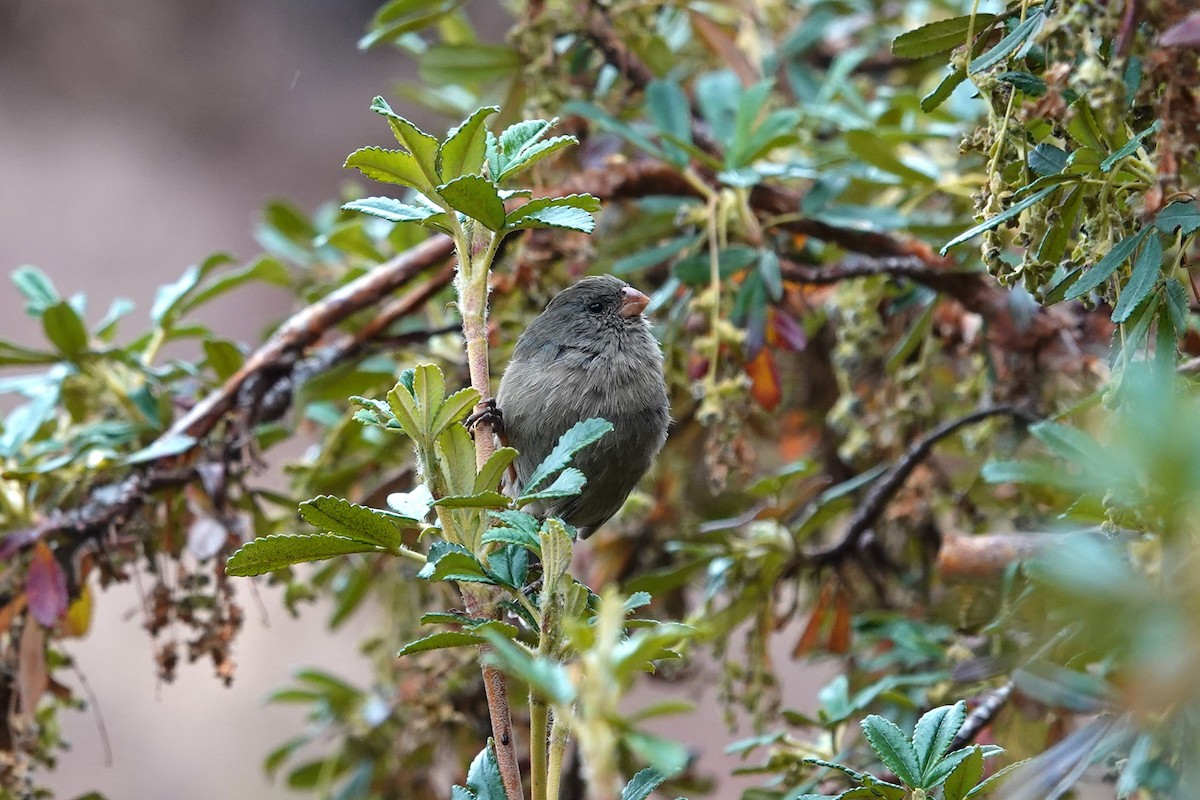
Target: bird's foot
<point>486,413</point>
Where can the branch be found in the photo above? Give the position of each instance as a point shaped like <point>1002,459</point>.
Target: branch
<point>987,556</point>
<point>885,488</point>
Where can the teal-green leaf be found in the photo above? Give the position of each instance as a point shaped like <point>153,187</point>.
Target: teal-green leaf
<point>893,748</point>
<point>440,641</point>
<point>448,64</point>
<point>529,155</point>
<point>65,329</point>
<point>935,732</point>
<point>161,448</point>
<point>477,197</point>
<point>642,785</point>
<point>573,203</point>
<point>1046,159</point>
<point>477,500</point>
<point>943,90</point>
<point>1068,442</point>
<point>502,151</point>
<point>510,565</point>
<point>569,483</point>
<point>668,107</point>
<point>37,289</point>
<point>483,777</point>
<point>665,755</point>
<point>578,437</point>
<point>1106,266</point>
<point>1054,244</point>
<point>453,565</point>
<point>696,269</point>
<point>1181,215</point>
<point>1031,85</point>
<point>938,37</point>
<point>269,553</point>
<point>1147,267</point>
<point>390,166</point>
<point>390,209</point>
<point>343,518</point>
<point>562,217</point>
<point>1010,43</point>
<point>999,219</point>
<point>462,152</point>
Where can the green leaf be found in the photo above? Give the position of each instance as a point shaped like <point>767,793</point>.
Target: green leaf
<point>269,553</point>
<point>996,780</point>
<point>893,748</point>
<point>935,732</point>
<point>441,641</point>
<point>1046,159</point>
<point>1005,215</point>
<point>664,755</point>
<point>1054,244</point>
<point>1032,472</point>
<point>1031,85</point>
<point>517,527</point>
<point>454,408</point>
<point>462,152</point>
<point>161,448</point>
<point>449,64</point>
<point>546,677</point>
<point>943,90</point>
<point>1106,266</point>
<point>391,166</point>
<point>878,788</point>
<point>1177,305</point>
<point>503,152</point>
<point>1182,215</point>
<point>627,132</point>
<point>865,145</point>
<point>453,563</point>
<point>563,217</point>
<point>477,197</point>
<point>37,289</point>
<point>943,769</point>
<point>477,500</point>
<point>1071,443</point>
<point>493,470</point>
<point>578,437</point>
<point>343,518</point>
<point>568,484</point>
<point>1009,44</point>
<point>652,256</point>
<point>965,776</point>
<point>696,269</point>
<point>585,203</point>
<point>535,152</point>
<point>398,17</point>
<point>65,329</point>
<point>510,565</point>
<point>390,209</point>
<point>1129,148</point>
<point>642,785</point>
<point>483,777</point>
<point>1147,268</point>
<point>223,357</point>
<point>668,107</point>
<point>1084,128</point>
<point>422,146</point>
<point>938,37</point>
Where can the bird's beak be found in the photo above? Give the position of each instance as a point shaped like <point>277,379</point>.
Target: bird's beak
<point>633,302</point>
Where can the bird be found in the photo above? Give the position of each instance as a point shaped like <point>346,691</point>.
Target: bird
<point>590,353</point>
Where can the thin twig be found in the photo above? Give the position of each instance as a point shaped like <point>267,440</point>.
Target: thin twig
<point>981,716</point>
<point>886,487</point>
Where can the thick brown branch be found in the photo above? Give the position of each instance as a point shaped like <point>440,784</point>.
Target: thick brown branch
<point>987,556</point>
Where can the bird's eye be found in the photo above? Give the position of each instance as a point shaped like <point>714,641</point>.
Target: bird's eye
<point>596,307</point>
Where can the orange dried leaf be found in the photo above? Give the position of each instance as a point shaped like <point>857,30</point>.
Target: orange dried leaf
<point>32,676</point>
<point>839,634</point>
<point>764,380</point>
<point>812,631</point>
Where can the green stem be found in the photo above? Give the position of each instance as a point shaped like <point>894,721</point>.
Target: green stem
<point>558,748</point>
<point>539,732</point>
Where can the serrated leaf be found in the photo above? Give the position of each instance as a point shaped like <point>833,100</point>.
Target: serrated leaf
<point>568,484</point>
<point>1046,159</point>
<point>454,565</point>
<point>1005,215</point>
<point>578,437</point>
<point>422,146</point>
<point>893,748</point>
<point>483,777</point>
<point>269,553</point>
<point>883,789</point>
<point>390,166</point>
<point>1010,43</point>
<point>493,470</point>
<point>454,408</point>
<point>1129,148</point>
<point>510,565</point>
<point>457,452</point>
<point>36,287</point>
<point>440,641</point>
<point>65,329</point>
<point>343,518</point>
<point>477,500</point>
<point>938,37</point>
<point>502,152</point>
<point>586,202</point>
<point>665,755</point>
<point>1181,215</point>
<point>404,408</point>
<point>1147,267</point>
<point>965,776</point>
<point>462,152</point>
<point>1054,244</point>
<point>1106,266</point>
<point>637,600</point>
<point>996,780</point>
<point>390,209</point>
<point>477,197</point>
<point>530,155</point>
<point>563,217</point>
<point>642,785</point>
<point>935,732</point>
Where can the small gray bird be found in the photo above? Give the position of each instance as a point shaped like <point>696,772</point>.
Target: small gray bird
<point>589,354</point>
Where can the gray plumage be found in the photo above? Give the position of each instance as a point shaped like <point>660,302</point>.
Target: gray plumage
<point>589,354</point>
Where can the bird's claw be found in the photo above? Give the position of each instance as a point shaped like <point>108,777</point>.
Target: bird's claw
<point>486,413</point>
